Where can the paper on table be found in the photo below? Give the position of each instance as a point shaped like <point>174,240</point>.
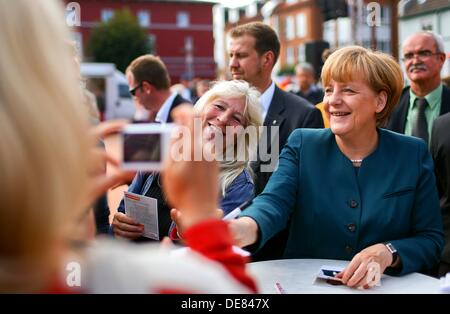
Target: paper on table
<point>329,272</point>
<point>144,210</point>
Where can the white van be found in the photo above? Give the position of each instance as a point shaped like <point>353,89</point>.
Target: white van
<point>110,87</point>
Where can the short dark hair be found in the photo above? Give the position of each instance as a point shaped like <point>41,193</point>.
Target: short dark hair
<point>266,38</point>
<point>151,69</point>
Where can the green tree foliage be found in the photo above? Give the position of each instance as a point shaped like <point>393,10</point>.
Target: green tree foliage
<point>288,69</point>
<point>119,40</point>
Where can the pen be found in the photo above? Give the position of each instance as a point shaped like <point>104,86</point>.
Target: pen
<point>279,288</point>
<point>238,210</point>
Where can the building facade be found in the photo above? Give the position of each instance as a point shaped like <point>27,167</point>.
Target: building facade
<point>371,24</point>
<point>181,32</point>
<point>297,23</point>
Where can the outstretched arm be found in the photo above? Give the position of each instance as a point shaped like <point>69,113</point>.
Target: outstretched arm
<point>191,186</point>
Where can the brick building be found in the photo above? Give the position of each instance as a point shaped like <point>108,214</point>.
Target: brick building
<point>299,24</point>
<point>181,31</point>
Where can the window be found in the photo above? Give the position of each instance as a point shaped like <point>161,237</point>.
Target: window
<point>384,46</point>
<point>152,43</point>
<point>301,25</point>
<point>182,19</point>
<point>189,57</point>
<point>290,32</point>
<point>301,57</point>
<point>251,10</point>
<point>188,44</point>
<point>107,14</point>
<point>144,18</point>
<point>276,24</point>
<point>290,56</point>
<point>124,91</point>
<point>385,15</point>
<point>233,15</point>
<point>426,25</point>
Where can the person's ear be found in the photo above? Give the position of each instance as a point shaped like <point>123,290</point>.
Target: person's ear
<point>442,58</point>
<point>381,101</point>
<point>147,87</point>
<point>269,59</point>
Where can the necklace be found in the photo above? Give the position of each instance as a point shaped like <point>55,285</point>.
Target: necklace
<point>356,161</point>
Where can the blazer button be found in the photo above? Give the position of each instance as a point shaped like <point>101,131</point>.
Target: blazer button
<point>353,204</point>
<point>348,249</point>
<point>351,227</point>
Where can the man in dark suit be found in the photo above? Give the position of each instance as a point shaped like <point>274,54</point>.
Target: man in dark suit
<point>305,74</point>
<point>440,149</point>
<point>150,87</point>
<point>426,98</point>
<point>254,49</point>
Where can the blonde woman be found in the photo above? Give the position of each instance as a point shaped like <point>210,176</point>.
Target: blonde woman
<point>227,106</point>
<point>354,191</point>
<point>49,178</point>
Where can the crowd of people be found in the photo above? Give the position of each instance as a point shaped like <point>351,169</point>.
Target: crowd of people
<point>371,187</point>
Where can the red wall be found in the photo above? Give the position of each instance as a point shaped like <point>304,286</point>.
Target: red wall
<point>170,39</point>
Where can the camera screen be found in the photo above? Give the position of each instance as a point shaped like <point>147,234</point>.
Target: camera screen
<point>142,147</point>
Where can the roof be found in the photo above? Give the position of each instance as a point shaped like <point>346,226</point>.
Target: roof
<point>417,7</point>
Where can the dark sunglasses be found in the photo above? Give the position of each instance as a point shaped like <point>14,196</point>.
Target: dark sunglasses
<point>133,91</point>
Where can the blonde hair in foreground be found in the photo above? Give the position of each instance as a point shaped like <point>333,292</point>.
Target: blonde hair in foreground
<point>44,147</point>
<point>380,71</point>
<point>229,170</point>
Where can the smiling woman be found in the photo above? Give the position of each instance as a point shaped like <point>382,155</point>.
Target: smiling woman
<point>361,90</point>
<point>231,106</point>
<point>51,172</point>
<point>369,212</point>
<point>225,110</point>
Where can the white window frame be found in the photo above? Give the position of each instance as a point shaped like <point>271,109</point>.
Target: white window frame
<point>251,10</point>
<point>106,14</point>
<point>301,25</point>
<point>290,58</point>
<point>144,18</point>
<point>301,54</point>
<point>233,15</point>
<point>152,41</point>
<point>290,27</point>
<point>183,19</point>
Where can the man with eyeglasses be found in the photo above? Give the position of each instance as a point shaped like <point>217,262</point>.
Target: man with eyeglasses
<point>420,105</point>
<point>426,98</point>
<point>149,85</point>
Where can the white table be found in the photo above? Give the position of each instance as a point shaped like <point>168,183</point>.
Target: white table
<point>298,276</point>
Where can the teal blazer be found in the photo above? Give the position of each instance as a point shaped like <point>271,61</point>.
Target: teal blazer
<point>335,210</point>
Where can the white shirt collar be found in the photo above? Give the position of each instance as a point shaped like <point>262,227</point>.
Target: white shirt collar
<point>266,99</point>
<point>163,113</point>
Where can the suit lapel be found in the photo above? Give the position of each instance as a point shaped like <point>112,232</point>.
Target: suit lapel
<point>445,100</point>
<point>274,115</point>
<point>274,118</point>
<point>178,100</point>
<point>404,106</point>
